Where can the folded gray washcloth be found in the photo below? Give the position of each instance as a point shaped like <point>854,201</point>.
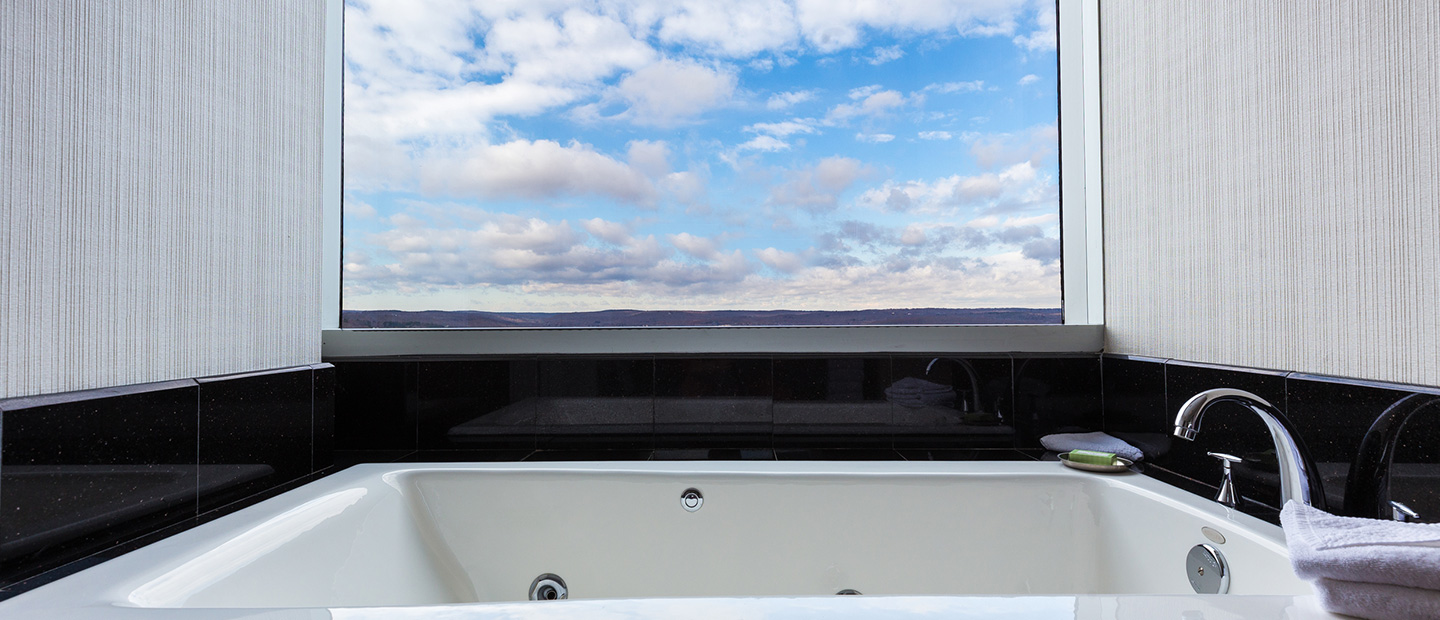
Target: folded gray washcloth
<point>1324,546</point>
<point>1377,601</point>
<point>1098,441</point>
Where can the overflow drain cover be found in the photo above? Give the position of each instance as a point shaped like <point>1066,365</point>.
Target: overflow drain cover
<point>1207,570</point>
<point>691,500</point>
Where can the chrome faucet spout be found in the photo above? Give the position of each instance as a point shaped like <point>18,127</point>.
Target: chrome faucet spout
<point>1299,479</point>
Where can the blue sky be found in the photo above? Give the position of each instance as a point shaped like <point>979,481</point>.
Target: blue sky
<point>551,156</point>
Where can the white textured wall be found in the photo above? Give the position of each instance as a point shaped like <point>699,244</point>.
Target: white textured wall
<point>1272,183</point>
<point>160,187</point>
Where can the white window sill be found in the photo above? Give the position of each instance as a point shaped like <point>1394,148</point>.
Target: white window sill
<point>361,343</point>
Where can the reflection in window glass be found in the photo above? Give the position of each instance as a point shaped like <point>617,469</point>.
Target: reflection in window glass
<point>661,162</point>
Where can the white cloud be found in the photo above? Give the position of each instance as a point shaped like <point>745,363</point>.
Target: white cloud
<point>1043,38</point>
<point>818,188</point>
<point>780,260</point>
<point>871,102</point>
<point>935,135</point>
<point>956,87</point>
<point>538,169</point>
<point>703,248</point>
<point>736,28</point>
<point>882,55</point>
<point>1028,79</point>
<point>830,26</point>
<point>780,101</point>
<point>358,209</point>
<point>767,144</point>
<point>1020,184</point>
<point>651,158</point>
<point>874,138</point>
<point>782,129</point>
<point>612,232</point>
<point>672,92</point>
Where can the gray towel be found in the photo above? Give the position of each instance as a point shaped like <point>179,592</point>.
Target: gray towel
<point>1065,442</point>
<point>1324,546</point>
<point>1376,601</point>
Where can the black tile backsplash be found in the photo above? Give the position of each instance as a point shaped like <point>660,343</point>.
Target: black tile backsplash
<point>254,433</point>
<point>831,402</point>
<point>77,475</point>
<point>473,404</point>
<point>376,405</point>
<point>83,473</point>
<point>1332,415</point>
<point>595,403</point>
<point>953,402</point>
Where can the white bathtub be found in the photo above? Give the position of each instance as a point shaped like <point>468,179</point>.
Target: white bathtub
<point>771,539</point>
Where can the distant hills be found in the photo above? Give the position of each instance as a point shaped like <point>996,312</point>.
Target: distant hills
<point>399,319</point>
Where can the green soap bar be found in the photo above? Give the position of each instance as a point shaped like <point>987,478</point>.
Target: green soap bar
<point>1091,457</point>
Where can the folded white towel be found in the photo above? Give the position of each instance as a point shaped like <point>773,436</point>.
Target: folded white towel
<point>1102,442</point>
<point>915,393</point>
<point>1324,546</point>
<point>1377,601</point>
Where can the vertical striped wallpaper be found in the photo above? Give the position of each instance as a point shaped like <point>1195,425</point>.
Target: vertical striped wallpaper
<point>160,187</point>
<point>1272,183</point>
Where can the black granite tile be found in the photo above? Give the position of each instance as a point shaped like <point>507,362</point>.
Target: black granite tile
<point>322,421</point>
<point>376,406</point>
<point>715,454</point>
<point>1228,428</point>
<point>596,403</point>
<point>982,454</point>
<point>1334,415</point>
<point>85,470</point>
<point>713,403</point>
<point>488,455</point>
<point>254,433</point>
<point>836,454</point>
<point>347,458</point>
<point>474,404</point>
<point>589,455</point>
<point>1058,394</point>
<point>832,402</point>
<point>952,402</point>
<point>1134,397</point>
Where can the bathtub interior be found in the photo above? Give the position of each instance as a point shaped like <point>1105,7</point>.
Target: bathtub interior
<point>431,536</point>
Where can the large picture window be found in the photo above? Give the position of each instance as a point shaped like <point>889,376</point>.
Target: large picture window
<point>578,164</point>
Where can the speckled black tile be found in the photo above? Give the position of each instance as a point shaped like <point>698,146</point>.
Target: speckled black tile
<point>1227,428</point>
<point>1135,410</point>
<point>713,403</point>
<point>952,402</point>
<point>322,421</point>
<point>254,433</point>
<point>1334,415</point>
<point>589,455</point>
<point>836,454</point>
<point>477,404</point>
<point>488,455</point>
<point>832,402</point>
<point>375,405</point>
<point>85,470</point>
<point>347,458</point>
<point>1057,394</point>
<point>715,454</point>
<point>596,403</point>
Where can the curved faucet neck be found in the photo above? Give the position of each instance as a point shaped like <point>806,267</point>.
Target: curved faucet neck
<point>1367,486</point>
<point>1299,479</point>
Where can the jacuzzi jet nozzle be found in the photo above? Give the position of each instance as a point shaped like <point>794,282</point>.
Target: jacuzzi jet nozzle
<point>548,587</point>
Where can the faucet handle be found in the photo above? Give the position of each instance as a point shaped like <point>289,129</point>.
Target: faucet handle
<point>1227,494</point>
<point>1401,512</point>
<point>1227,459</point>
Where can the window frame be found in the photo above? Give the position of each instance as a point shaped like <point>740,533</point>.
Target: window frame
<point>1082,256</point>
